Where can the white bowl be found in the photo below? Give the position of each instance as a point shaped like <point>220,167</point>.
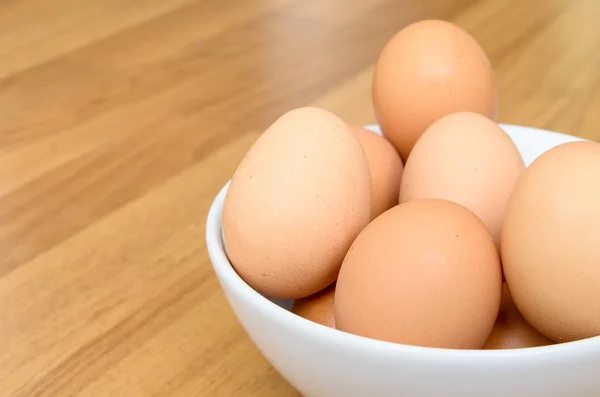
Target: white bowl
<point>323,362</point>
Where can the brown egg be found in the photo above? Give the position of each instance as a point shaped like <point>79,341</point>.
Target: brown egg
<point>511,330</point>
<point>318,307</point>
<point>427,70</point>
<point>550,245</point>
<point>386,170</point>
<point>466,158</point>
<point>296,202</point>
<point>423,273</point>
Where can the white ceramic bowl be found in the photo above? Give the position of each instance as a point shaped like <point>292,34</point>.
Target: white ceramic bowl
<point>323,362</point>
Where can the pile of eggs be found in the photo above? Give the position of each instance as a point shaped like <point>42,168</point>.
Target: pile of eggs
<point>435,233</point>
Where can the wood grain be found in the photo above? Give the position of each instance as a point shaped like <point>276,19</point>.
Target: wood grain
<point>121,119</point>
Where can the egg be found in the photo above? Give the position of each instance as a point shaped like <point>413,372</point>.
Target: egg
<point>429,69</point>
<point>423,273</point>
<point>550,244</point>
<point>317,308</point>
<point>385,167</point>
<point>466,158</point>
<point>511,330</point>
<point>297,200</point>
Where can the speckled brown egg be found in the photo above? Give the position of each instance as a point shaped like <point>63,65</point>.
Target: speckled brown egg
<point>550,244</point>
<point>423,273</point>
<point>466,158</point>
<point>386,168</point>
<point>429,69</point>
<point>296,202</point>
<point>317,307</point>
<point>511,330</point>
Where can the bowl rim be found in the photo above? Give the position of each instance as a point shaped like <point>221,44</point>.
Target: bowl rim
<point>227,274</point>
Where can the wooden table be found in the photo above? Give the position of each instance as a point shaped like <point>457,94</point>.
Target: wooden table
<point>121,119</point>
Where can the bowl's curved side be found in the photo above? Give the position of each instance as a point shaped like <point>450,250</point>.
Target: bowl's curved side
<point>320,361</point>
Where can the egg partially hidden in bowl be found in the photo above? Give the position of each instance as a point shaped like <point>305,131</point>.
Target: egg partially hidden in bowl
<point>466,158</point>
<point>318,307</point>
<point>427,70</point>
<point>511,330</point>
<point>417,274</point>
<point>385,166</point>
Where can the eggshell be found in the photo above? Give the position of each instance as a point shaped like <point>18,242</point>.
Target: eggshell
<point>318,307</point>
<point>550,244</point>
<point>423,273</point>
<point>386,168</point>
<point>511,330</point>
<point>429,69</point>
<point>296,202</point>
<point>466,158</point>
